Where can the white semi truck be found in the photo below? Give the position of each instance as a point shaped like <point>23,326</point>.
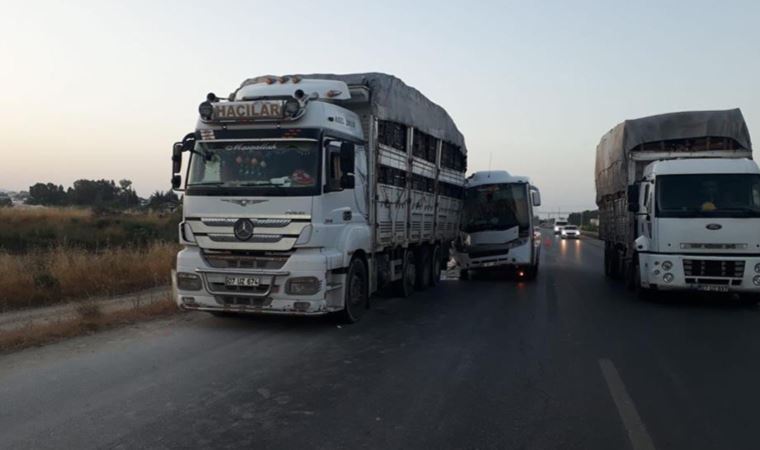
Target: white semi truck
<point>679,203</point>
<point>305,194</point>
<point>498,225</point>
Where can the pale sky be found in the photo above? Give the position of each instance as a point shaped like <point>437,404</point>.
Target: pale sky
<point>102,89</point>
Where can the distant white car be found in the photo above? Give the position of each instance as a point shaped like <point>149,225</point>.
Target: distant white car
<point>570,232</point>
<point>559,225</point>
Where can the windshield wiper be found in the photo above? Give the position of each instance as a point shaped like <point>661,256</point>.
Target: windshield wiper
<point>208,183</point>
<point>262,184</point>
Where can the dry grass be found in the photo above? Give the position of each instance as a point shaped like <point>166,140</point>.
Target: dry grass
<point>91,319</point>
<point>44,277</point>
<point>27,229</point>
<point>22,215</point>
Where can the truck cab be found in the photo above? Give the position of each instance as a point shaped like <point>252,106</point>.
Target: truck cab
<point>698,225</point>
<point>274,200</point>
<point>498,225</point>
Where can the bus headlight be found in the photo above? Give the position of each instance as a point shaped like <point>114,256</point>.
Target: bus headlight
<point>667,265</point>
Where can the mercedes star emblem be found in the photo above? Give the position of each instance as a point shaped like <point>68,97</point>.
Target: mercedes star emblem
<point>243,229</point>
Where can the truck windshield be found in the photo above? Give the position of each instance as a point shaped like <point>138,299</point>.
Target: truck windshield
<point>708,195</point>
<point>496,207</point>
<point>260,166</point>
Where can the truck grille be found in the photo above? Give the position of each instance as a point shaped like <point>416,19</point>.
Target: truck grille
<point>713,268</point>
<point>220,259</point>
<point>216,287</point>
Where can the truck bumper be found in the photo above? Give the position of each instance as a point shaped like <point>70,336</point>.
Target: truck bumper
<point>270,297</point>
<point>700,273</point>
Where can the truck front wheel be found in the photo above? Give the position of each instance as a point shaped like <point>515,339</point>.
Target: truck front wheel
<point>355,292</point>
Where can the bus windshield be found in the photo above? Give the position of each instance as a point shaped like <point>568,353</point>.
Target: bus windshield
<point>496,207</point>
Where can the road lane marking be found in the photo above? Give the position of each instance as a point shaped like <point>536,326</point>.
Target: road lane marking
<point>637,432</point>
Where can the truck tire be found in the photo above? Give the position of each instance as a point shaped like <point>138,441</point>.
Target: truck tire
<point>356,298</point>
<point>612,263</point>
<point>435,266</point>
<point>405,286</point>
<point>630,275</point>
<point>608,263</point>
<point>424,268</point>
<point>464,275</point>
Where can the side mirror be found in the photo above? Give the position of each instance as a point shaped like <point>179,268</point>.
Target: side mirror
<point>347,157</point>
<point>177,157</point>
<point>536,198</point>
<point>347,181</point>
<point>176,181</point>
<point>633,198</point>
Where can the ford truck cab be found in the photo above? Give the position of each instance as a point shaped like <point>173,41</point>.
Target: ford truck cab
<point>698,225</point>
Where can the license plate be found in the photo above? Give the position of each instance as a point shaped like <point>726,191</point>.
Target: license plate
<point>241,281</point>
<point>708,288</point>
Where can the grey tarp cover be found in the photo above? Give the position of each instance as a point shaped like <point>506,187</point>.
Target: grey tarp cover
<point>391,99</point>
<point>613,150</point>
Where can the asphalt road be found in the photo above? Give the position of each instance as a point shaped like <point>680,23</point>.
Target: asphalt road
<point>569,361</point>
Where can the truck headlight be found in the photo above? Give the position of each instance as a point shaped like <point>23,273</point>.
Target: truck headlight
<point>303,286</point>
<point>757,268</point>
<point>667,265</point>
<point>187,233</point>
<point>188,281</point>
<point>305,236</point>
<point>756,280</point>
<point>668,277</point>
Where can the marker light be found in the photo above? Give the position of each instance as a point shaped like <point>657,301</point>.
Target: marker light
<point>206,110</point>
<point>667,265</point>
<point>668,277</point>
<point>292,107</point>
